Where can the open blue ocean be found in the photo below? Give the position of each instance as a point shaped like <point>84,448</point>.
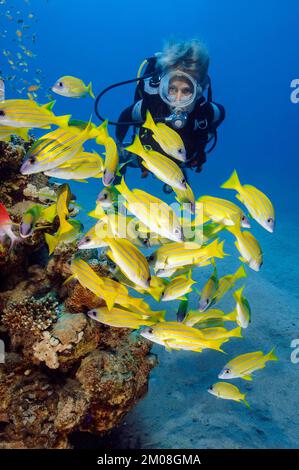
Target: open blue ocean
<point>253,47</point>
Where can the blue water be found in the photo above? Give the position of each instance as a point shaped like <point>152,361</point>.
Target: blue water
<point>254,57</point>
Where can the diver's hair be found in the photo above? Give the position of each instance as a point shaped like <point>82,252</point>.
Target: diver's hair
<point>190,56</point>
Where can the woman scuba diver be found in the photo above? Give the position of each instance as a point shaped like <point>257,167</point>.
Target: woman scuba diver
<point>172,89</point>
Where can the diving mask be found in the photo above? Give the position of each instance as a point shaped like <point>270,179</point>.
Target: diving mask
<point>179,90</point>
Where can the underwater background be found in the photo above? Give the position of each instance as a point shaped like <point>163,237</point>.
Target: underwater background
<point>254,57</point>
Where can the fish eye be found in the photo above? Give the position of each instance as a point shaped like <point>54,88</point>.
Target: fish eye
<point>183,180</point>
<point>227,371</point>
<point>60,84</point>
<point>270,220</point>
<point>87,239</point>
<point>149,279</point>
<point>105,195</point>
<point>207,301</point>
<point>243,218</point>
<point>31,160</point>
<point>150,330</point>
<point>180,150</point>
<point>2,113</point>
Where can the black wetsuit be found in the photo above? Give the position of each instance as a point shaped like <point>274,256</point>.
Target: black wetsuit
<point>201,123</point>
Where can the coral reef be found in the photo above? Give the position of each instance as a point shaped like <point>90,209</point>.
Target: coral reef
<point>63,372</point>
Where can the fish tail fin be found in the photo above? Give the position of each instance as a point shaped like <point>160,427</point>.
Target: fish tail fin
<point>247,377</point>
<point>217,249</point>
<point>240,273</point>
<point>49,105</point>
<point>65,226</point>
<point>69,279</point>
<point>122,187</point>
<point>100,133</point>
<point>159,315</point>
<point>89,90</point>
<point>51,241</point>
<point>237,332</point>
<point>49,213</point>
<point>149,122</point>
<point>23,133</point>
<point>245,401</point>
<point>238,293</point>
<point>233,182</point>
<point>63,121</point>
<point>231,316</point>
<point>272,356</point>
<point>234,229</point>
<point>217,345</point>
<point>136,147</point>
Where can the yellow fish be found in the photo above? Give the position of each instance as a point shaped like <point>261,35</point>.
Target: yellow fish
<point>120,318</point>
<point>257,203</point>
<point>222,211</point>
<point>111,161</point>
<point>227,282</point>
<point>174,335</point>
<point>227,391</point>
<point>243,311</point>
<point>108,197</point>
<point>30,219</point>
<point>175,255</point>
<point>162,167</point>
<point>72,87</point>
<point>83,166</point>
<point>194,317</point>
<point>186,197</point>
<point>28,114</point>
<point>217,333</point>
<point>118,225</point>
<point>54,149</point>
<point>99,286</point>
<point>130,260</point>
<point>208,292</point>
<point>7,132</point>
<point>248,247</point>
<point>64,197</point>
<point>168,139</point>
<point>178,287</point>
<point>64,237</point>
<point>245,364</point>
<point>94,237</point>
<point>155,289</point>
<point>152,212</point>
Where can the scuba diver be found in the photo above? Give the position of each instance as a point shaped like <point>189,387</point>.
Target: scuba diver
<point>172,88</point>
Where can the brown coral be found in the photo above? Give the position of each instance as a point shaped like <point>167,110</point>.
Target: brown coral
<point>63,372</point>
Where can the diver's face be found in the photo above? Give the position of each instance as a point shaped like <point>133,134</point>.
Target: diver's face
<point>179,89</point>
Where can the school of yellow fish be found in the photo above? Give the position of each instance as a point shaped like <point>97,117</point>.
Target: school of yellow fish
<point>155,247</point>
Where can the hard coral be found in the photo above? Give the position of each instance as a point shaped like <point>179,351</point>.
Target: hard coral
<point>26,320</point>
<point>63,372</point>
<point>72,337</point>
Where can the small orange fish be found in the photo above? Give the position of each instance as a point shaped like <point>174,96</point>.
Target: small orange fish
<point>19,33</point>
<point>33,88</point>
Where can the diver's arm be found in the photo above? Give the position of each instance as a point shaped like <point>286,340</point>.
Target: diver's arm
<point>122,129</point>
<point>217,114</point>
<point>134,113</point>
